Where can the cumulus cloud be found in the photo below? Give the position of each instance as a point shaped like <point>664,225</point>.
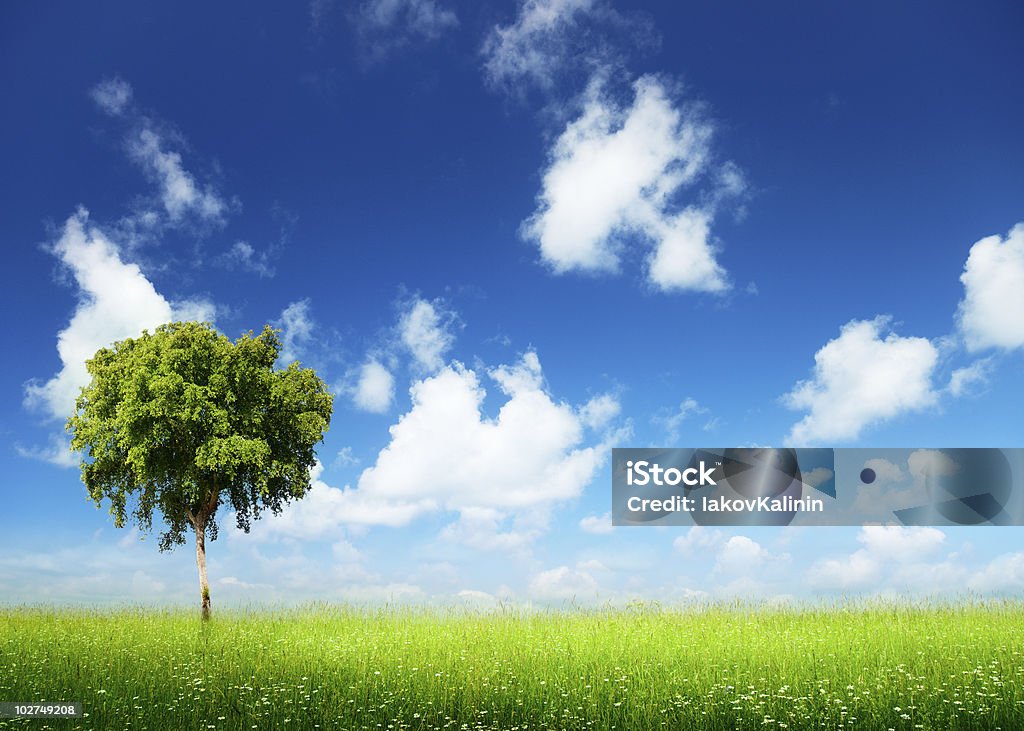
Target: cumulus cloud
<point>527,455</point>
<point>425,330</point>
<point>563,583</point>
<point>115,301</point>
<point>699,540</point>
<point>885,471</point>
<point>325,512</point>
<point>597,524</point>
<point>743,556</point>
<point>375,389</point>
<point>817,476</point>
<point>900,544</point>
<point>112,95</point>
<point>501,475</point>
<point>893,489</point>
<point>890,554</point>
<point>614,180</point>
<point>486,529</point>
<point>180,193</point>
<point>864,376</point>
<point>1003,574</point>
<point>991,313</point>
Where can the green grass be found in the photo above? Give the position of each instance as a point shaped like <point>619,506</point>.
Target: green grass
<point>714,667</point>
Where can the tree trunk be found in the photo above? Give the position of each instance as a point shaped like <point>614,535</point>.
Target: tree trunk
<point>204,585</point>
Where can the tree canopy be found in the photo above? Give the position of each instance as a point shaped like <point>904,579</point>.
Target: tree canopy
<point>183,420</point>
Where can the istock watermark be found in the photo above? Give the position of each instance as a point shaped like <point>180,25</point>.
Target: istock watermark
<point>785,486</point>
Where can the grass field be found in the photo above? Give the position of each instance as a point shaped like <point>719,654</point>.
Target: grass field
<point>714,667</point>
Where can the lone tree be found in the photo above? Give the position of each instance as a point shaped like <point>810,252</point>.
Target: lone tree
<point>184,420</point>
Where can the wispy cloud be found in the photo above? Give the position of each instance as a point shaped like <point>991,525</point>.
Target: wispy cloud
<point>243,256</point>
<point>384,26</point>
<point>296,324</point>
<point>112,96</point>
<point>181,197</point>
<point>551,40</point>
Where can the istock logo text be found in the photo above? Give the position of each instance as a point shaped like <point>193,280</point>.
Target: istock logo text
<point>643,473</point>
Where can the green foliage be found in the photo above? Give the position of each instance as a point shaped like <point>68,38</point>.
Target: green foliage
<point>183,420</point>
<point>708,668</point>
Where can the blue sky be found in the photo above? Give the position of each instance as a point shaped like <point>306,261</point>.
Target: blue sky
<point>512,235</point>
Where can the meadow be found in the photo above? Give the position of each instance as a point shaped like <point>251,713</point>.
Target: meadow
<point>699,667</point>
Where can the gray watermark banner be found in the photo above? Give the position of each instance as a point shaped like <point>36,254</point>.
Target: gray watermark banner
<point>810,486</point>
<point>37,709</point>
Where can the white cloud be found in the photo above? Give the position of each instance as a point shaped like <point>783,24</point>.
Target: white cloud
<point>483,529</point>
<point>991,314</point>
<point>684,256</point>
<point>375,388</point>
<point>699,541</point>
<point>145,585</point>
<point>687,407</point>
<point>963,380</point>
<point>242,255</point>
<point>890,491</point>
<point>817,476</point>
<point>536,45</point>
<point>478,599</point>
<point>112,95</point>
<point>1003,574</point>
<point>325,511</point>
<point>233,582</point>
<point>57,452</point>
<point>924,463</point>
<point>346,457</point>
<point>345,552</point>
<point>862,377</point>
<point>886,471</point>
<point>901,545</point>
<point>743,556</point>
<point>600,410</point>
<point>385,25</point>
<point>892,555</point>
<point>858,571</point>
<point>563,583</point>
<point>180,194</point>
<point>502,475</point>
<point>376,593</point>
<point>426,18</point>
<point>195,309</point>
<point>614,180</point>
<point>597,524</point>
<point>116,301</point>
<point>445,447</point>
<point>424,329</point>
<point>296,323</point>
<point>129,539</point>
